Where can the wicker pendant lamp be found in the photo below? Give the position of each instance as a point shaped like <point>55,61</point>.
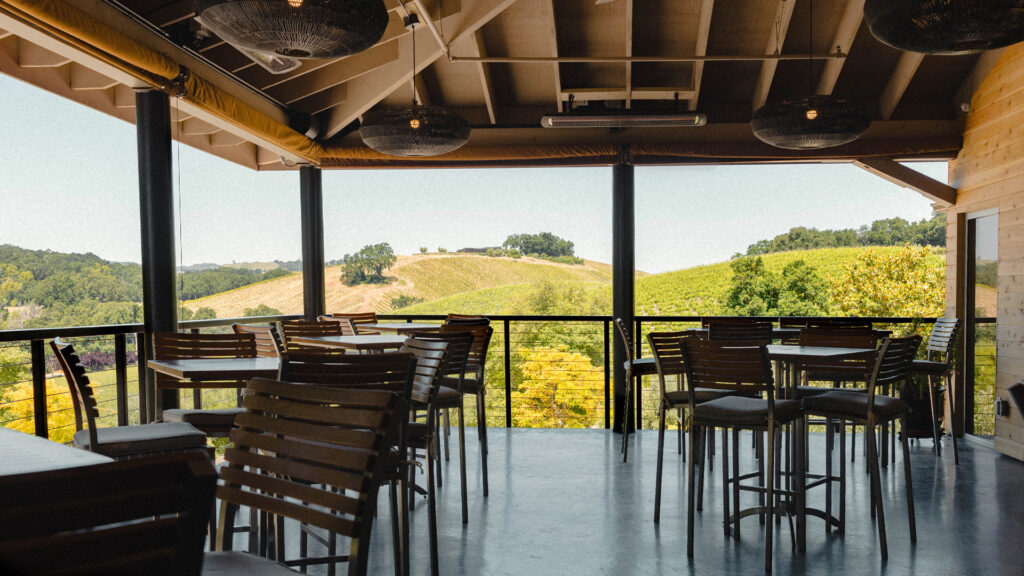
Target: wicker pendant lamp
<point>811,122</point>
<point>946,26</point>
<point>415,130</point>
<point>297,28</point>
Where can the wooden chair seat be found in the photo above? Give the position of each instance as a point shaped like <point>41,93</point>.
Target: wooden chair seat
<point>853,405</point>
<point>122,441</point>
<point>219,419</point>
<point>745,411</point>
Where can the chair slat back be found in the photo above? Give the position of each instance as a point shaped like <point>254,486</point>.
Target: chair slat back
<point>467,320</point>
<point>667,349</point>
<point>707,321</point>
<point>431,358</point>
<point>82,396</point>
<point>728,365</point>
<point>347,327</point>
<point>290,329</point>
<point>892,364</point>
<point>138,516</point>
<point>943,337</point>
<point>358,318</point>
<point>309,453</point>
<point>178,345</point>
<point>753,331</point>
<point>838,323</point>
<point>267,343</point>
<point>840,338</point>
<point>457,350</point>
<point>481,341</point>
<point>624,335</point>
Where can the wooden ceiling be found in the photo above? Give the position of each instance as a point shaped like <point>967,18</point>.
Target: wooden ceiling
<point>502,64</point>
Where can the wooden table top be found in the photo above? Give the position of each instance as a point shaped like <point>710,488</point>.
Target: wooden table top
<point>397,327</point>
<point>22,453</point>
<point>217,368</point>
<point>362,342</point>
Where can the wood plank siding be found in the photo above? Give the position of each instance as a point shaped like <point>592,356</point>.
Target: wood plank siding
<point>989,173</point>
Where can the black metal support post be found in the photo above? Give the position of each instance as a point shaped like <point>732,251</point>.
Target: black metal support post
<point>313,288</point>
<point>623,241</point>
<point>39,413</point>
<point>156,208</point>
<point>121,377</point>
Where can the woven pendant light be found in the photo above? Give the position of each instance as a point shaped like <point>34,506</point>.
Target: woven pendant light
<point>415,130</point>
<point>946,26</point>
<point>297,28</point>
<point>811,122</point>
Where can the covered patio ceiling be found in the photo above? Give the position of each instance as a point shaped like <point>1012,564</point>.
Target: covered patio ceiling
<point>502,64</point>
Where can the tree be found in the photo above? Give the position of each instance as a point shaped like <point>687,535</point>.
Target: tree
<point>202,313</point>
<point>261,310</point>
<point>543,244</point>
<point>757,291</point>
<point>20,414</point>
<point>423,249</point>
<point>556,389</point>
<point>910,282</point>
<point>367,265</point>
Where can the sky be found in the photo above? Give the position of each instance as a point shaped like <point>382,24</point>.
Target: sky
<point>69,183</point>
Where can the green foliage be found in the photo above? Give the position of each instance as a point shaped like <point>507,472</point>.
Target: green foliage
<point>556,389</point>
<point>201,313</point>
<point>14,365</point>
<point>503,252</point>
<point>12,283</point>
<point>442,250</point>
<point>985,273</point>
<point>261,310</point>
<point>403,300</point>
<point>206,282</point>
<point>543,244</point>
<point>888,232</point>
<point>367,265</point>
<point>907,282</point>
<point>88,313</point>
<point>757,291</point>
<point>423,249</point>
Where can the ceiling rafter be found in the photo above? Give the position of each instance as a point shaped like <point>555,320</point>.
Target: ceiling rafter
<point>338,72</point>
<point>629,52</point>
<point>909,178</point>
<point>422,93</point>
<point>369,89</point>
<point>477,48</point>
<point>701,49</point>
<point>553,34</point>
<point>775,40</point>
<point>843,41</point>
<point>900,79</point>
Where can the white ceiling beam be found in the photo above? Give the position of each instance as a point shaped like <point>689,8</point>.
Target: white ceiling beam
<point>909,178</point>
<point>842,41</point>
<point>422,93</point>
<point>124,97</point>
<point>629,52</point>
<point>324,100</point>
<point>193,126</point>
<point>900,79</point>
<point>707,7</point>
<point>477,48</point>
<point>338,72</point>
<point>224,139</point>
<point>775,40</point>
<point>83,78</point>
<point>31,55</point>
<point>369,89</point>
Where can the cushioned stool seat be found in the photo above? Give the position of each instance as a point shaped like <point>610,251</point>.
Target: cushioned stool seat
<point>221,419</point>
<point>852,404</point>
<point>744,411</point>
<point>148,438</point>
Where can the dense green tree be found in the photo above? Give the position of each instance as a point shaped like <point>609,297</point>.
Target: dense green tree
<point>542,244</point>
<point>261,310</point>
<point>888,232</point>
<point>906,283</point>
<point>757,291</point>
<point>367,266</point>
<point>201,313</point>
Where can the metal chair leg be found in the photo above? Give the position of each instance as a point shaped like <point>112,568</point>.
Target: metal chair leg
<point>661,457</point>
<point>911,516</point>
<point>876,488</point>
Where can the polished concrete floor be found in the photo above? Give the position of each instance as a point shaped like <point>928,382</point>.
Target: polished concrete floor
<point>562,502</point>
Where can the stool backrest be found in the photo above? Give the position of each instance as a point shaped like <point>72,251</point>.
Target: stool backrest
<point>740,366</point>
<point>943,337</point>
<point>268,345</point>
<point>82,395</point>
<point>291,329</point>
<point>753,331</point>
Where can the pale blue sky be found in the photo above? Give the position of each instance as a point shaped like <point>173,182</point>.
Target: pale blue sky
<point>68,182</point>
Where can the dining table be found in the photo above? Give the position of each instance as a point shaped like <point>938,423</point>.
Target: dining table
<point>397,327</point>
<point>197,371</point>
<point>360,343</point>
<point>22,453</point>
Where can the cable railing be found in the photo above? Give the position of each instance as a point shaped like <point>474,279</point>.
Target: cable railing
<point>542,371</point>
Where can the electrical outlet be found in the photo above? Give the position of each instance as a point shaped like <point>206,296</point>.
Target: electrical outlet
<point>1002,407</point>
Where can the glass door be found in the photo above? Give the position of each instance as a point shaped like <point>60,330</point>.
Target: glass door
<point>980,322</point>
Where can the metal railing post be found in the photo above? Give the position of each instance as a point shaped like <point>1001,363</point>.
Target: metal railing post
<point>508,377</point>
<point>39,388</point>
<point>145,413</point>
<point>121,378</point>
<point>638,403</point>
<point>607,375</point>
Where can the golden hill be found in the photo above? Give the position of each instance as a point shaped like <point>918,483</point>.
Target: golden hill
<point>426,276</point>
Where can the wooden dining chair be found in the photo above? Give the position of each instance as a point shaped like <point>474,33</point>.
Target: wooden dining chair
<point>145,515</point>
<point>839,322</point>
<point>454,389</point>
<point>744,373</point>
<point>467,320</point>
<point>872,409</point>
<point>290,329</point>
<point>348,327</point>
<point>268,344</point>
<point>215,422</point>
<point>636,369</point>
<point>358,319</point>
<point>938,365</point>
<point>311,454</point>
<point>751,331</point>
<point>392,372</point>
<point>119,441</point>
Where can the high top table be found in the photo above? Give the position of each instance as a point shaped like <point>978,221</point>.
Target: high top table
<point>361,343</point>
<point>197,370</point>
<point>22,453</point>
<point>397,327</point>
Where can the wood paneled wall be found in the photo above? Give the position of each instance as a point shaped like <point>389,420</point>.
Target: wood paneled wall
<point>989,173</point>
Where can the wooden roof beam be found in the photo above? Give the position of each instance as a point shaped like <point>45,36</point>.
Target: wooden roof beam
<point>639,93</point>
<point>842,41</point>
<point>369,89</point>
<point>32,55</point>
<point>83,78</point>
<point>477,48</point>
<point>629,52</point>
<point>172,13</point>
<point>338,72</point>
<point>701,49</point>
<point>553,34</point>
<point>904,72</point>
<point>775,40</point>
<point>909,178</point>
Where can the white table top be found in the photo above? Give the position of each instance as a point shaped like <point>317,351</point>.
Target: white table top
<point>22,453</point>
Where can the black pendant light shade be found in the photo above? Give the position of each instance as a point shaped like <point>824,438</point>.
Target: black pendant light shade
<point>946,26</point>
<point>415,130</point>
<point>297,28</point>
<point>810,122</point>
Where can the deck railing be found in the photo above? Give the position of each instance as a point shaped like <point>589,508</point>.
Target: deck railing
<point>542,371</point>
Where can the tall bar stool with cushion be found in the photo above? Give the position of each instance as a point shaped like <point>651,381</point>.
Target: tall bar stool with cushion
<point>668,358</point>
<point>870,409</point>
<point>291,329</point>
<point>176,346</point>
<point>753,331</point>
<point>454,389</point>
<point>268,344</point>
<point>119,441</point>
<point>636,369</point>
<point>324,444</point>
<point>938,365</point>
<point>743,370</point>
